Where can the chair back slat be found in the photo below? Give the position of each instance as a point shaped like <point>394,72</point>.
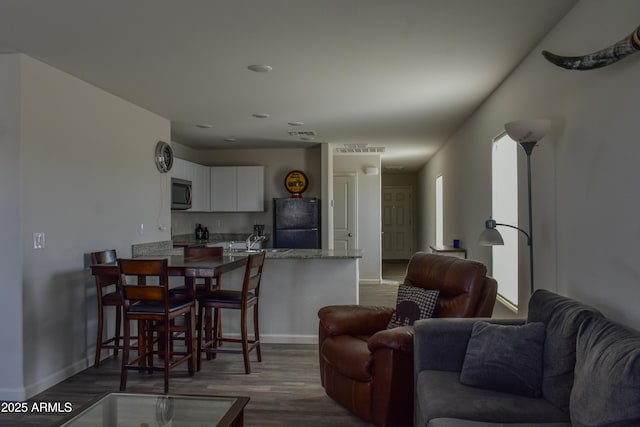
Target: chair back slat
<point>253,274</point>
<point>141,270</point>
<point>104,257</point>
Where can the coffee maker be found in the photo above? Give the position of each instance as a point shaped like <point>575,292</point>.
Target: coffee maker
<point>258,230</point>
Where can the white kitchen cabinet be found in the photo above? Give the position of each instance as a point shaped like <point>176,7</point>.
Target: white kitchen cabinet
<point>200,187</point>
<point>237,188</point>
<point>200,182</point>
<point>179,169</point>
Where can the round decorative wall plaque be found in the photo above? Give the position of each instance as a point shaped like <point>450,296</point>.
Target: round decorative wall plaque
<point>296,182</point>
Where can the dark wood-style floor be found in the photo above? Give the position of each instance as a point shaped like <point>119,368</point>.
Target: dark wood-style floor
<point>284,388</point>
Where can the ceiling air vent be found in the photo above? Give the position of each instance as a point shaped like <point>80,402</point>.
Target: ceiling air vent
<point>360,148</point>
<point>302,133</point>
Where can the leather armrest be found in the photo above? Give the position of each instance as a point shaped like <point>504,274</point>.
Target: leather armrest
<point>354,319</point>
<point>400,339</point>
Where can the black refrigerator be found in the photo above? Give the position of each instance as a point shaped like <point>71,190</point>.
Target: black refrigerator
<point>296,223</point>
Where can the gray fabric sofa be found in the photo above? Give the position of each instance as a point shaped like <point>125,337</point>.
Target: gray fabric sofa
<point>589,370</point>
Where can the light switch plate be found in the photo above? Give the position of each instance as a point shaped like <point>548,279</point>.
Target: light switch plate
<point>38,240</point>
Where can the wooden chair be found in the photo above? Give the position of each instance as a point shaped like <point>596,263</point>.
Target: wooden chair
<point>236,300</point>
<point>154,310</point>
<point>107,298</point>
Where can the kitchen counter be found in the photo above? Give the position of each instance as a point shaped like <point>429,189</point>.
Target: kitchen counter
<point>296,283</point>
<point>275,253</point>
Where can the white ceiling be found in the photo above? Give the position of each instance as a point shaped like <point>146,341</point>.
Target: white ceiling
<point>397,73</point>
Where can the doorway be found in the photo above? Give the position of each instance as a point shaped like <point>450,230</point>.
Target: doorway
<point>345,214</point>
<point>397,223</point>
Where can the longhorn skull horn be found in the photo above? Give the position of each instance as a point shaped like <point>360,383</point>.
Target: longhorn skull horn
<point>600,58</point>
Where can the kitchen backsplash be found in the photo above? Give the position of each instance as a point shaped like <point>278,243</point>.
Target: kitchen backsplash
<point>183,223</point>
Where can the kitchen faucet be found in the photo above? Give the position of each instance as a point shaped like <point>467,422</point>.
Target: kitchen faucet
<point>252,240</point>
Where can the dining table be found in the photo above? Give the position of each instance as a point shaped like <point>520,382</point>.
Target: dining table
<point>187,267</point>
<point>179,265</point>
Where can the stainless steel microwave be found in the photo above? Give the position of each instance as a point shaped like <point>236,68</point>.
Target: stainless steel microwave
<point>180,194</point>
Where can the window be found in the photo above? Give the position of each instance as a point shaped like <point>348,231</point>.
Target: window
<point>439,212</point>
<point>504,161</point>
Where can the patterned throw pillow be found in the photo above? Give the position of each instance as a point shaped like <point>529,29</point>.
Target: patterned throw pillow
<point>413,303</point>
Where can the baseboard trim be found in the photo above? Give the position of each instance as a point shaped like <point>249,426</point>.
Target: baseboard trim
<point>369,281</point>
<point>55,378</point>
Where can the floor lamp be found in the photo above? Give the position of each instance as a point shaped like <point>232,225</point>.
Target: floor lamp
<point>527,133</point>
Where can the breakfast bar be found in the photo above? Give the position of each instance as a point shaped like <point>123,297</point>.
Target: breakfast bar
<point>296,283</point>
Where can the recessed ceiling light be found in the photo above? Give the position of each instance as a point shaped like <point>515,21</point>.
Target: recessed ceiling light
<point>258,68</point>
<point>296,123</point>
<point>230,139</point>
<point>261,115</point>
<point>204,126</point>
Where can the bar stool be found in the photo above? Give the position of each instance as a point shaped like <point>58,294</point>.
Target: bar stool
<point>107,298</point>
<point>236,300</point>
<point>154,310</point>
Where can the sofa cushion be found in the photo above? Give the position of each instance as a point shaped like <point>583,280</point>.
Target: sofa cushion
<point>413,303</point>
<point>563,317</point>
<point>505,358</point>
<point>606,389</point>
<point>440,395</point>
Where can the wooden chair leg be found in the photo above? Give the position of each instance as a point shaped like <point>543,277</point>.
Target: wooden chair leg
<point>96,363</point>
<point>256,332</point>
<point>201,336</point>
<point>208,329</point>
<point>167,353</point>
<point>245,345</point>
<point>190,338</point>
<point>118,325</point>
<point>125,357</point>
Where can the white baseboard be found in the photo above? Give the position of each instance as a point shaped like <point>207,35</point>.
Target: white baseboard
<point>53,379</point>
<point>17,394</point>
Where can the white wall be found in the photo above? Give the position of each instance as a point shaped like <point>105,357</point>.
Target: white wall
<point>369,211</point>
<point>11,378</point>
<point>586,233</point>
<point>277,162</point>
<point>87,180</point>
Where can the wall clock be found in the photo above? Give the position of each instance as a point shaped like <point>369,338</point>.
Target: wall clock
<point>164,157</point>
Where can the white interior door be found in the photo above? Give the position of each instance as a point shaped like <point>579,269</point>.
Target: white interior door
<point>397,222</point>
<point>345,198</point>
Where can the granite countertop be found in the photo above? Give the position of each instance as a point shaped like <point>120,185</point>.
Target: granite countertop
<point>166,248</point>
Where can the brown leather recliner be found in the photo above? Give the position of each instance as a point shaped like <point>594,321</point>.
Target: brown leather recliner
<point>367,368</point>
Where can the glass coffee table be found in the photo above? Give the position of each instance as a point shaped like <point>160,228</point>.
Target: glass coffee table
<point>159,410</point>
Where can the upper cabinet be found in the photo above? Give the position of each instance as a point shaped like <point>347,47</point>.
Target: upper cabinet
<point>199,177</point>
<point>200,187</point>
<point>222,188</point>
<point>237,188</point>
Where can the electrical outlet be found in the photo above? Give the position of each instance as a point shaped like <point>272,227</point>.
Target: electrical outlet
<point>38,240</point>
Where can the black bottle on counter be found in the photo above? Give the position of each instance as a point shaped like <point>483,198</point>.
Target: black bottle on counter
<point>199,232</point>
<point>206,233</point>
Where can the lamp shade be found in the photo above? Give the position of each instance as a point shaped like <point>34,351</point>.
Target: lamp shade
<point>527,130</point>
<point>490,237</point>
